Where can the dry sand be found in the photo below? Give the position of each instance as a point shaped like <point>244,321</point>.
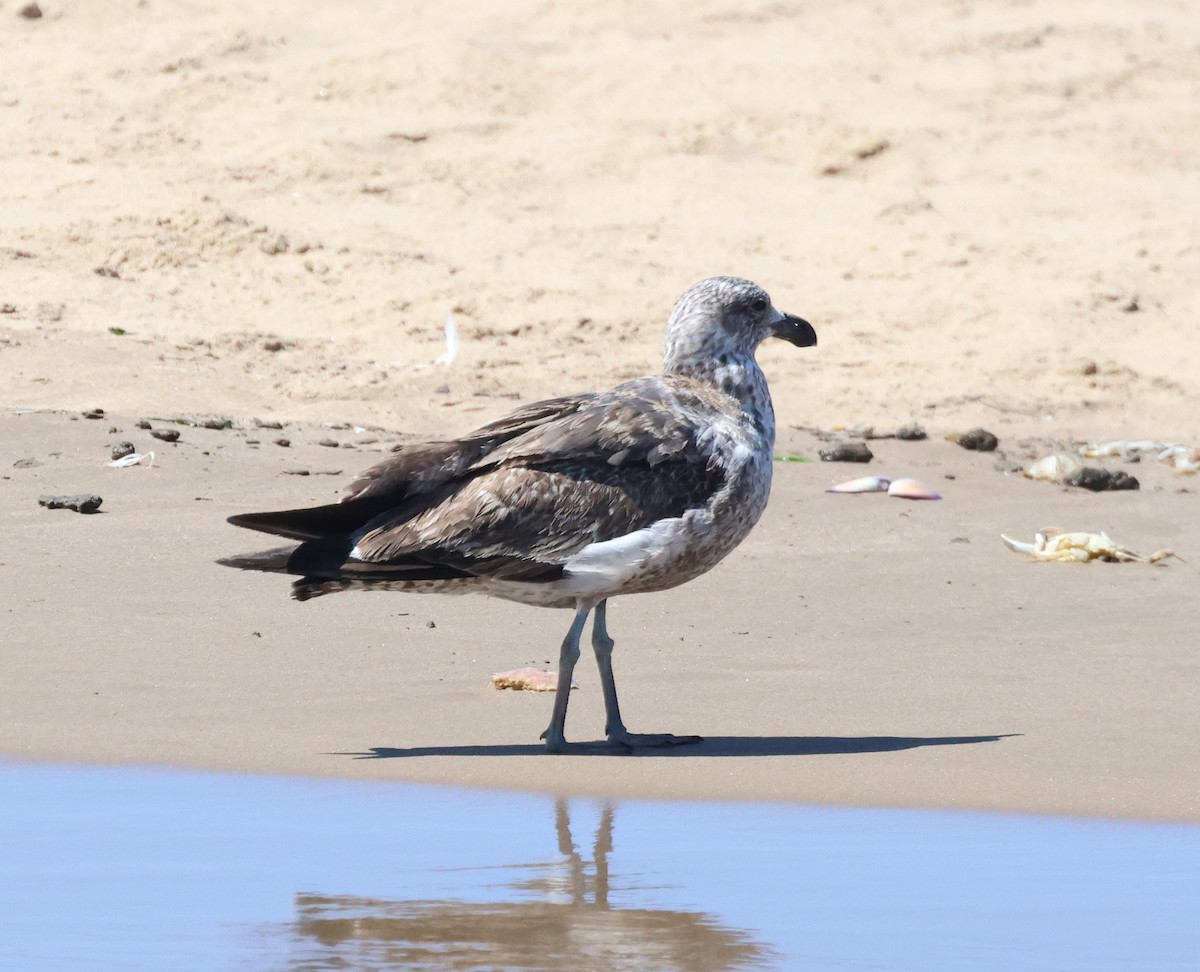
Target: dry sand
<point>989,211</point>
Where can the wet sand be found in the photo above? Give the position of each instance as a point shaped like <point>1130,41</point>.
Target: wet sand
<point>856,649</point>
<point>987,211</point>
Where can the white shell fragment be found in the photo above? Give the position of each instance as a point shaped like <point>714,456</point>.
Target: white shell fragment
<point>864,484</point>
<point>133,459</point>
<point>450,328</point>
<point>1122,447</point>
<point>528,680</point>
<point>913,489</point>
<point>1082,547</point>
<point>1055,468</point>
<point>1181,458</point>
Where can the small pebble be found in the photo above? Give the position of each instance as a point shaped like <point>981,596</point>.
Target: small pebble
<point>31,11</point>
<point>283,442</point>
<point>847,452</point>
<point>1100,480</point>
<point>80,503</point>
<point>166,435</point>
<point>94,413</point>
<point>979,440</point>
<point>121,450</point>
<point>329,443</point>
<point>911,433</point>
<point>267,424</point>
<point>142,424</point>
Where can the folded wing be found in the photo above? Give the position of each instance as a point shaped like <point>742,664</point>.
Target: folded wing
<point>515,499</point>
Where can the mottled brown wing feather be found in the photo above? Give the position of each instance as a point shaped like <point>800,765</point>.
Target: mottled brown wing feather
<point>422,467</point>
<point>649,420</point>
<point>539,515</point>
<point>516,498</point>
<point>415,471</point>
<point>623,461</point>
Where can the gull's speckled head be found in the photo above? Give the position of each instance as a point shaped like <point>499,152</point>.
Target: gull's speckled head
<point>723,316</point>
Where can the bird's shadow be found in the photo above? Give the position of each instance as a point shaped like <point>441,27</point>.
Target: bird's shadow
<point>709,746</point>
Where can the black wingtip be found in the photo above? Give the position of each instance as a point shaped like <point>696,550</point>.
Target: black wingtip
<point>317,522</point>
<point>279,524</point>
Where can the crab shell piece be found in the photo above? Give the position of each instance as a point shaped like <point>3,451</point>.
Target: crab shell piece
<point>1187,461</point>
<point>1081,547</point>
<point>864,484</point>
<point>914,489</point>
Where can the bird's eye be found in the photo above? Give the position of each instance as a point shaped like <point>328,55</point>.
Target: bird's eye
<point>760,304</point>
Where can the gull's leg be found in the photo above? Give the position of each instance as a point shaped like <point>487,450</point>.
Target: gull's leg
<point>556,741</point>
<point>614,728</point>
<point>602,645</point>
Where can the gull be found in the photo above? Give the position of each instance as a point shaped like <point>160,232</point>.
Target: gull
<point>568,502</point>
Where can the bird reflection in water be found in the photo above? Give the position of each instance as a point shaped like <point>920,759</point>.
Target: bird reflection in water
<point>564,921</point>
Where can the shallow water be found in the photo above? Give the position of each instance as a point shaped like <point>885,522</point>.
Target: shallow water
<point>104,868</point>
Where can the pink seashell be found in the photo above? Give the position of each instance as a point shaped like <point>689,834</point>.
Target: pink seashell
<point>913,489</point>
<point>864,484</point>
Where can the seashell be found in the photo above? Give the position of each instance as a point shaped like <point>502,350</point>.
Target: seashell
<point>908,488</point>
<point>133,458</point>
<point>1054,469</point>
<point>864,484</point>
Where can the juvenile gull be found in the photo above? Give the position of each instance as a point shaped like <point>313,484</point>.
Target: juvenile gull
<point>568,502</point>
